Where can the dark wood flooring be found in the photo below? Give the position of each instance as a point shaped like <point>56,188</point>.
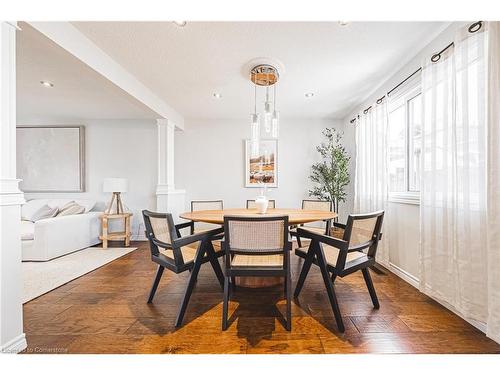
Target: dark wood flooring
<point>105,311</point>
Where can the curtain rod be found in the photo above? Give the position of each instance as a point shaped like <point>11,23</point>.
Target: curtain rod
<point>476,26</point>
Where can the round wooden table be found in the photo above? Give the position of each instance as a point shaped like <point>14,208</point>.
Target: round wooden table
<point>296,216</point>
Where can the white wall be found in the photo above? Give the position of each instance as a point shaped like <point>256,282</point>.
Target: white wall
<point>209,160</point>
<point>116,148</point>
<point>403,219</point>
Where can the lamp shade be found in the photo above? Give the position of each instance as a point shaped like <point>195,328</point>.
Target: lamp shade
<point>115,185</point>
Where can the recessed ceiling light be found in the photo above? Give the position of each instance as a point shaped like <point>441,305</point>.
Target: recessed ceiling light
<point>309,94</point>
<point>217,95</point>
<point>343,23</point>
<point>180,23</point>
<point>47,83</point>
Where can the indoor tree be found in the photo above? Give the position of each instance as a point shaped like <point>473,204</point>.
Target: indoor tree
<point>331,174</point>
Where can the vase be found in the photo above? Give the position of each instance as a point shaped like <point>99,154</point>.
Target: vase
<point>262,203</point>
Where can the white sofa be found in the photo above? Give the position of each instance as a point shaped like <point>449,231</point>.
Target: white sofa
<point>47,239</point>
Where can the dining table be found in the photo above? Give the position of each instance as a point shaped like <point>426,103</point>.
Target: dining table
<point>296,216</point>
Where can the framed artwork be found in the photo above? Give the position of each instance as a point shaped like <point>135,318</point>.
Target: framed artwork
<point>261,168</point>
<point>51,158</point>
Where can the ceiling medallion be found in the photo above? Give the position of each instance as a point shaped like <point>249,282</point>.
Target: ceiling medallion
<point>264,75</point>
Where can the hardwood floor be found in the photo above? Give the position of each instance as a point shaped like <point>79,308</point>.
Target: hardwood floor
<point>105,311</point>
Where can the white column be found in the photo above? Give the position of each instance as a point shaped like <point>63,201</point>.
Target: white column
<point>12,338</point>
<point>168,199</point>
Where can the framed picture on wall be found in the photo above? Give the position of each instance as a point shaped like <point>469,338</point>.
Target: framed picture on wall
<point>262,167</point>
<point>51,158</point>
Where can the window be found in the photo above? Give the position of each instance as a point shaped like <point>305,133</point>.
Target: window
<point>404,140</point>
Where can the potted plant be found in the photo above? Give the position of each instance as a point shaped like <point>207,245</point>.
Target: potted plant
<point>331,174</point>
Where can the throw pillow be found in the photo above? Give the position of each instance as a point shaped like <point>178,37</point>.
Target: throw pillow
<point>45,212</point>
<point>88,204</point>
<point>31,207</point>
<point>71,209</point>
<point>59,203</point>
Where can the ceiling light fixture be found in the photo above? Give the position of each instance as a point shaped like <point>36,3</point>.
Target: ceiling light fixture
<point>343,23</point>
<point>265,75</point>
<point>180,23</point>
<point>309,94</point>
<point>217,95</point>
<point>47,83</point>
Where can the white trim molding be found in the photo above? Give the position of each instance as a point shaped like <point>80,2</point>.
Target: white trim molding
<point>168,198</point>
<point>12,338</point>
<point>401,273</point>
<point>405,198</point>
<point>14,346</point>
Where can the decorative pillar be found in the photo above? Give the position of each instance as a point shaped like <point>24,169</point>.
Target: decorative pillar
<point>12,338</point>
<point>168,199</point>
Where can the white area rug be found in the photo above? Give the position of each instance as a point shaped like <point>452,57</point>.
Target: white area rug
<point>42,277</point>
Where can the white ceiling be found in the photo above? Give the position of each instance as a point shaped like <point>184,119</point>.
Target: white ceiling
<point>185,66</point>
<point>79,93</point>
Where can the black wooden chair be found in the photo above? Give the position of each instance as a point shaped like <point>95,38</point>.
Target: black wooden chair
<point>318,205</point>
<point>251,203</point>
<point>201,206</point>
<point>179,254</point>
<point>341,257</point>
<point>259,247</point>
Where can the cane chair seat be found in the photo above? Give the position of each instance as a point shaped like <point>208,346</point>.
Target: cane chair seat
<point>332,253</point>
<point>241,260</point>
<point>188,252</point>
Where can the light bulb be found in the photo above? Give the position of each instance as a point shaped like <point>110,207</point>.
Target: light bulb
<point>275,124</point>
<point>255,128</point>
<point>254,135</point>
<point>267,122</point>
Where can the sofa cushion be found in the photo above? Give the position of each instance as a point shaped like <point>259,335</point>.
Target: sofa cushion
<point>31,207</point>
<point>71,209</point>
<point>88,204</point>
<point>59,203</point>
<point>45,212</point>
<point>27,230</point>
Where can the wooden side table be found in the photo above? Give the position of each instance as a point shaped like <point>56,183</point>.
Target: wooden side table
<point>108,236</point>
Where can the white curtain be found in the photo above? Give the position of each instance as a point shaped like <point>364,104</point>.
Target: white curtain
<point>455,253</point>
<point>371,169</point>
<point>493,322</point>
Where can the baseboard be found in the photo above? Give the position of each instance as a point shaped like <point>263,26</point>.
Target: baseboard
<point>138,237</point>
<point>409,278</point>
<point>16,345</point>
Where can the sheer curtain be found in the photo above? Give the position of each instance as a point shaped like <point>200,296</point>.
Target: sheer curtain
<point>371,168</point>
<point>453,202</point>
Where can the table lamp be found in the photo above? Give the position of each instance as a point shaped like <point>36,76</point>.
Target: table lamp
<point>115,186</point>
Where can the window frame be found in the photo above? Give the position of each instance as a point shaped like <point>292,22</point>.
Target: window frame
<point>403,98</point>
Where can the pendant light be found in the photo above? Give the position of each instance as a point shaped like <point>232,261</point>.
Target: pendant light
<point>267,114</point>
<point>255,128</point>
<point>264,75</point>
<point>275,119</point>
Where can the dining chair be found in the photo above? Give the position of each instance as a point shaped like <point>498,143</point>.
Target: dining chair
<point>342,257</point>
<point>316,205</point>
<point>179,254</point>
<point>256,247</point>
<point>251,203</point>
<point>202,205</point>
